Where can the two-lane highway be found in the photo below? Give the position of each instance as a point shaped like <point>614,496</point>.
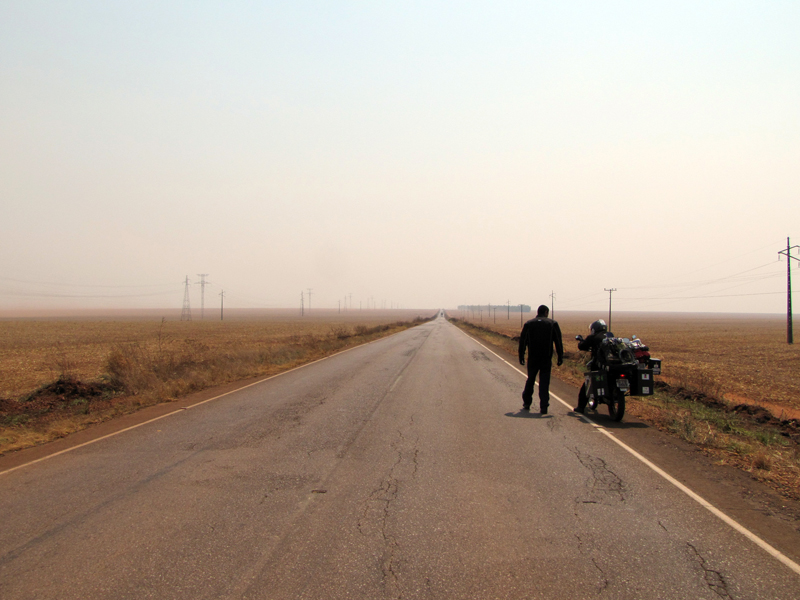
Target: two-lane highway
<point>399,469</point>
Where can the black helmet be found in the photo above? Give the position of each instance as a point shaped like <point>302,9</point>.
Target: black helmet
<point>598,326</point>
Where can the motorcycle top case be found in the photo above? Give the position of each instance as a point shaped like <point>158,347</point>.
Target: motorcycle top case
<point>643,383</point>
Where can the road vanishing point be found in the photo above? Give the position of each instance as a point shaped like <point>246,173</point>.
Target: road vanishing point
<point>402,468</point>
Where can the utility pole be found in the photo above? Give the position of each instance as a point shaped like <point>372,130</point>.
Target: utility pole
<point>302,304</point>
<point>610,291</point>
<point>186,311</point>
<point>788,254</point>
<point>309,300</point>
<point>202,282</point>
<point>552,302</point>
<point>340,306</point>
<point>221,305</point>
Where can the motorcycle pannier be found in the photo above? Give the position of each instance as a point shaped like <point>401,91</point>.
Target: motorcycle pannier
<point>597,383</point>
<point>655,364</point>
<point>643,383</point>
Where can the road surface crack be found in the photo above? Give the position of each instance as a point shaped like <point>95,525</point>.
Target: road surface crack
<point>604,484</point>
<point>377,509</point>
<point>714,579</point>
<point>604,580</point>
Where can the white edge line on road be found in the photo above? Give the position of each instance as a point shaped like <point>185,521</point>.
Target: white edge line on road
<point>174,412</point>
<point>697,498</point>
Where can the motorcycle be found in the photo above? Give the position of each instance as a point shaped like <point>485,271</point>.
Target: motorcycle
<point>623,367</point>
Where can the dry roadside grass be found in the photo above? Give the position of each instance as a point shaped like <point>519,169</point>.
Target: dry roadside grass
<point>59,376</point>
<point>729,384</point>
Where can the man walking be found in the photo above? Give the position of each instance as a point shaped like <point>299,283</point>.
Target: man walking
<point>538,336</point>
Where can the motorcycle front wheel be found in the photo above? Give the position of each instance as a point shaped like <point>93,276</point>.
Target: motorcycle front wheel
<point>616,404</point>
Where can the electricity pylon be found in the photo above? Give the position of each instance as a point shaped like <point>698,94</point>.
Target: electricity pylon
<point>186,311</point>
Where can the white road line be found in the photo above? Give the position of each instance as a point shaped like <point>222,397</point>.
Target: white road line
<point>174,412</point>
<point>694,496</point>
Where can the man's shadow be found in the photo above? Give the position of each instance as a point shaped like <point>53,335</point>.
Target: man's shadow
<point>525,414</point>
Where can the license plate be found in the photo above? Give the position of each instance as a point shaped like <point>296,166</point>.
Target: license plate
<point>623,384</point>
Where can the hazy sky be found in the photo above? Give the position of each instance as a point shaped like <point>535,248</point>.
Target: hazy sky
<point>423,154</point>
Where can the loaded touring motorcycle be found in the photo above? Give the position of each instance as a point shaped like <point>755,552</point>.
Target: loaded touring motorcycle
<point>623,368</point>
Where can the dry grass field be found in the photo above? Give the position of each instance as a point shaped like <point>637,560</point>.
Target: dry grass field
<point>58,375</point>
<point>729,383</point>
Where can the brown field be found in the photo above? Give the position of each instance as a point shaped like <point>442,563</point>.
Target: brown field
<point>741,358</point>
<point>36,351</point>
<point>60,374</point>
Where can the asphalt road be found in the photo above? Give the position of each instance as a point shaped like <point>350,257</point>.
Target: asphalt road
<point>400,469</point>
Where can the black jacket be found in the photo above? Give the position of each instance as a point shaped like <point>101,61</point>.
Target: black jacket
<point>538,336</point>
<point>591,343</point>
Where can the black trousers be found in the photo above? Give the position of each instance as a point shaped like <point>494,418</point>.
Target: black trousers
<point>541,368</point>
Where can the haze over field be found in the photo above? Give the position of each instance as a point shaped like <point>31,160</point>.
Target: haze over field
<point>411,154</point>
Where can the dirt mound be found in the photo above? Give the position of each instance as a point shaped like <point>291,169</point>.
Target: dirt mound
<point>65,392</point>
<point>759,414</point>
<point>788,427</point>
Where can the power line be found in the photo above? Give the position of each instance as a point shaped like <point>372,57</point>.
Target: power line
<point>695,284</point>
<point>688,286</point>
<point>86,285</point>
<point>40,295</point>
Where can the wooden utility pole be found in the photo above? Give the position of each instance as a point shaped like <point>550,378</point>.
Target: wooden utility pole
<point>788,254</point>
<point>552,303</point>
<point>221,305</point>
<point>610,291</point>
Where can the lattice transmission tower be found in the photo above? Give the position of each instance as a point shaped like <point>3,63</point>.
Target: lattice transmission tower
<point>186,311</point>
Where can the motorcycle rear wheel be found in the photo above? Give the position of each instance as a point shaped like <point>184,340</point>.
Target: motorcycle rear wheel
<point>616,405</point>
